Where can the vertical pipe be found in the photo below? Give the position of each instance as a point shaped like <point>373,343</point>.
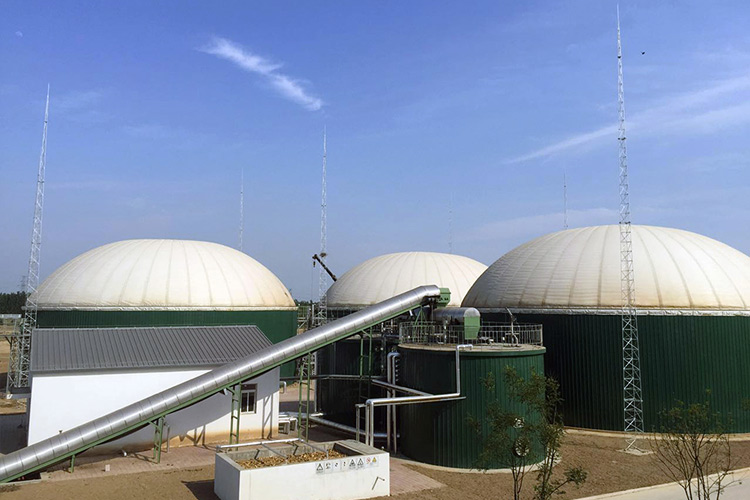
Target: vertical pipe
<point>367,425</point>
<point>357,418</point>
<point>389,378</point>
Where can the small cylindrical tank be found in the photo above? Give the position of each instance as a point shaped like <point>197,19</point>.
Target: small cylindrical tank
<point>439,433</point>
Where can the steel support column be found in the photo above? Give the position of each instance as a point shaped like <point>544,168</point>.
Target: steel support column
<point>158,435</point>
<point>234,417</point>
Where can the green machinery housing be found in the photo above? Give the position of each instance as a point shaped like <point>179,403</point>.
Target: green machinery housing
<point>682,357</point>
<point>439,433</point>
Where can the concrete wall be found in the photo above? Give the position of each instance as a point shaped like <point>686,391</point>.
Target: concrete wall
<point>364,473</point>
<point>60,402</point>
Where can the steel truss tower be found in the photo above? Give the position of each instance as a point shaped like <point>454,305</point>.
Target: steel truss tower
<point>631,362</point>
<point>20,351</point>
<point>323,276</point>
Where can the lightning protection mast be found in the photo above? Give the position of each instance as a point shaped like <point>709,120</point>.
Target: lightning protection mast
<point>323,276</point>
<point>242,205</point>
<point>20,353</point>
<point>450,225</point>
<point>565,200</point>
<point>631,363</point>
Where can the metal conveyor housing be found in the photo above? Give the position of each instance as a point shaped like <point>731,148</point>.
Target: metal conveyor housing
<point>129,418</point>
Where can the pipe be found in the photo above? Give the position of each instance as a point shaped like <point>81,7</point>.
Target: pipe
<point>340,427</point>
<point>134,416</point>
<point>370,404</point>
<point>399,388</point>
<point>390,417</point>
<point>329,377</point>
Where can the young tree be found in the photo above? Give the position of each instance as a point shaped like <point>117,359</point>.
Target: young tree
<point>518,438</point>
<point>692,449</point>
<point>507,441</point>
<point>12,303</point>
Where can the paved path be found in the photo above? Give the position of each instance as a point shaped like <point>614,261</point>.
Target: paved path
<point>738,489</point>
<point>406,480</point>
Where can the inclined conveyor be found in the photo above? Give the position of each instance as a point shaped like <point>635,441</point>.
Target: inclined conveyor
<point>70,443</point>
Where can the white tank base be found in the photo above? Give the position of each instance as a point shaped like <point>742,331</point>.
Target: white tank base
<point>364,473</point>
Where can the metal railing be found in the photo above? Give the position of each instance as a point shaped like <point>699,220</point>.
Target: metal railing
<point>489,334</point>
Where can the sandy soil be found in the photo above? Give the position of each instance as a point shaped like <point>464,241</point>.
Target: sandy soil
<point>183,483</point>
<point>609,469</point>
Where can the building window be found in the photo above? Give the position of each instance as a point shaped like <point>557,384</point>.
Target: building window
<point>249,393</point>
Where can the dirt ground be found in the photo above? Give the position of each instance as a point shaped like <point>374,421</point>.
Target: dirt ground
<point>609,469</point>
<point>7,405</point>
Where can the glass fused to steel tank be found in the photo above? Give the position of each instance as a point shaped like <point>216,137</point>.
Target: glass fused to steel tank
<point>353,363</point>
<point>167,283</point>
<point>439,433</point>
<point>692,296</point>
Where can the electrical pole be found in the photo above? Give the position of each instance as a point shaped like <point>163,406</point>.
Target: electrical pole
<point>631,363</point>
<point>20,352</point>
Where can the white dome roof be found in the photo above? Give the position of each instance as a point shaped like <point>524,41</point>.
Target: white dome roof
<point>580,268</point>
<point>163,274</point>
<point>382,277</point>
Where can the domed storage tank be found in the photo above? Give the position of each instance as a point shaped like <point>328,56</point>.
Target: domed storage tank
<point>166,283</point>
<point>368,283</point>
<point>693,301</point>
<point>439,433</point>
<point>383,277</point>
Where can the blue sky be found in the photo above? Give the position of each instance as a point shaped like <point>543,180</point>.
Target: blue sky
<point>155,109</point>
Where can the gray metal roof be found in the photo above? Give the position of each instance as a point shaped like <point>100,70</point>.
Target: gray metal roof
<point>93,349</point>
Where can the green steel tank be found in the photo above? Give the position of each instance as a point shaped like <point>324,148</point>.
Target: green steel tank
<point>692,296</point>
<point>439,433</point>
<point>166,283</point>
<point>358,358</point>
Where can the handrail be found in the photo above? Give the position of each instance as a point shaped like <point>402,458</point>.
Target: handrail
<point>223,447</point>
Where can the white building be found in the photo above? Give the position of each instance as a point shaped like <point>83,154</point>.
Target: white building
<point>81,374</point>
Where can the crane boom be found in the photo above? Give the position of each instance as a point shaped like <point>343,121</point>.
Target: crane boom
<point>324,266</point>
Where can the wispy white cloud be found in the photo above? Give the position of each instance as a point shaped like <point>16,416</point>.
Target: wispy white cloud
<point>80,106</point>
<point>698,112</point>
<point>149,131</point>
<point>77,100</point>
<point>286,86</point>
<point>168,135</point>
<point>526,227</point>
<point>86,185</point>
<point>723,161</point>
<point>19,34</point>
<point>565,144</point>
